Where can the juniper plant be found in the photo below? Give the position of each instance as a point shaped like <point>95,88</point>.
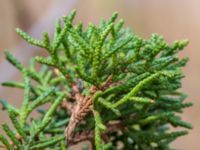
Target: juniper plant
<point>103,84</point>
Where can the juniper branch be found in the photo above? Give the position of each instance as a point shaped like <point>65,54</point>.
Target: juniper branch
<point>98,81</point>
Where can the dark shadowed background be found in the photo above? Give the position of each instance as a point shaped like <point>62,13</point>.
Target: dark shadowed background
<point>174,19</point>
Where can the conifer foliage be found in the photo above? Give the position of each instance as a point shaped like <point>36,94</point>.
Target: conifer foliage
<point>103,84</point>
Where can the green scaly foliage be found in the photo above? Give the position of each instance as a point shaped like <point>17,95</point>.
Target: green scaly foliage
<point>142,102</point>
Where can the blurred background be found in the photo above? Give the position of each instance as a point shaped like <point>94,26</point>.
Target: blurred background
<point>174,19</point>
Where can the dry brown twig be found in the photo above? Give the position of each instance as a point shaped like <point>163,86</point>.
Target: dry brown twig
<point>81,107</point>
<point>68,106</point>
